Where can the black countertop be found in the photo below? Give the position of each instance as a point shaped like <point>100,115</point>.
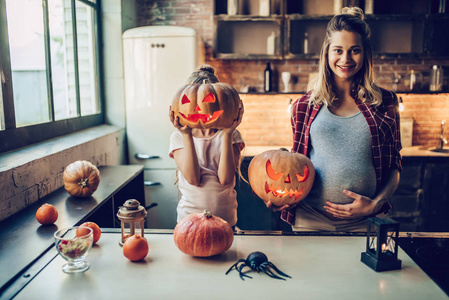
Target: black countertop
<point>24,239</point>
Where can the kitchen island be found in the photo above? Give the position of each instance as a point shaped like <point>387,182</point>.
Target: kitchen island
<point>321,267</point>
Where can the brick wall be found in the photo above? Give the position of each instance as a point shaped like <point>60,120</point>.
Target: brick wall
<point>266,121</point>
<point>427,112</point>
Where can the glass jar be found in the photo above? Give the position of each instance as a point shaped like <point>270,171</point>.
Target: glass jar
<point>436,78</point>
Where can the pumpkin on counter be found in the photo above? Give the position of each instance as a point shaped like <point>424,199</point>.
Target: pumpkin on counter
<point>203,235</point>
<point>281,177</point>
<point>135,248</point>
<point>46,214</point>
<point>206,105</point>
<point>81,178</point>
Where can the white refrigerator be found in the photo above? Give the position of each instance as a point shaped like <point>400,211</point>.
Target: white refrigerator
<point>157,61</point>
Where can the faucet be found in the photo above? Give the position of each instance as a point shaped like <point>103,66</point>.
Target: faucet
<point>443,140</point>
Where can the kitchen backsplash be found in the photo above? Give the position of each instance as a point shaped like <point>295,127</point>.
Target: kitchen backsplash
<point>266,120</point>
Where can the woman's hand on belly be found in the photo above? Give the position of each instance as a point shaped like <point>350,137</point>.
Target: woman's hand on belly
<point>360,207</point>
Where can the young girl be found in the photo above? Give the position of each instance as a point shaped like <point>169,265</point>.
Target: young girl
<point>207,160</point>
<point>349,128</point>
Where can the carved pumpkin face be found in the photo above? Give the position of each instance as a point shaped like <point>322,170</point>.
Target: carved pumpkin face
<point>281,177</point>
<point>207,105</point>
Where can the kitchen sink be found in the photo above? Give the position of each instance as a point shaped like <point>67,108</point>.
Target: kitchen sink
<point>436,149</point>
<point>440,150</point>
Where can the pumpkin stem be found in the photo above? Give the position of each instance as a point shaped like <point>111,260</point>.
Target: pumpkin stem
<point>207,214</point>
<point>83,182</point>
<point>205,81</point>
<point>283,149</point>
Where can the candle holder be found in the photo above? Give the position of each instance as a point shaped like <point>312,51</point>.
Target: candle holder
<point>131,216</point>
<point>381,245</point>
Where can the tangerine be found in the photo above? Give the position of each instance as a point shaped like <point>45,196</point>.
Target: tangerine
<point>46,214</point>
<point>135,248</point>
<point>95,228</point>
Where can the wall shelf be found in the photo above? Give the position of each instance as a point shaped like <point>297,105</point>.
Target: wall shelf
<point>403,29</point>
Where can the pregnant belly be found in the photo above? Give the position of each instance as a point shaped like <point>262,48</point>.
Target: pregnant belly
<point>330,188</point>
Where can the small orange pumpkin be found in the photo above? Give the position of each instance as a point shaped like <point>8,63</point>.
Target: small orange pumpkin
<point>81,178</point>
<point>203,235</point>
<point>95,228</point>
<point>135,248</point>
<point>47,214</point>
<point>281,177</point>
<point>206,105</point>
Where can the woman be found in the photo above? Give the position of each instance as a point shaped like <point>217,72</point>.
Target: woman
<point>349,128</point>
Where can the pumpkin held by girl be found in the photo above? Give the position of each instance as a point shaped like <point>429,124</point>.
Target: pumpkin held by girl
<point>281,177</point>
<point>206,105</point>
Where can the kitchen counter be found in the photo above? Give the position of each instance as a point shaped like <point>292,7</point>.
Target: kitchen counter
<point>420,151</point>
<point>24,240</point>
<point>321,267</point>
<point>413,151</point>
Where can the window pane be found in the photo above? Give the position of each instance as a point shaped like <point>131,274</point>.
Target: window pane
<point>27,51</point>
<point>85,24</point>
<point>62,62</point>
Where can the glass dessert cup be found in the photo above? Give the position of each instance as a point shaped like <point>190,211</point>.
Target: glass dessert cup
<point>74,249</point>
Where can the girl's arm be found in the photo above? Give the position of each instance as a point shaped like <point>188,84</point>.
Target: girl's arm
<point>230,153</point>
<point>229,159</point>
<point>186,158</point>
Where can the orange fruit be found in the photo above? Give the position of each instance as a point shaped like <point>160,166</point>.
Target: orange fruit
<point>46,214</point>
<point>135,248</point>
<point>95,228</point>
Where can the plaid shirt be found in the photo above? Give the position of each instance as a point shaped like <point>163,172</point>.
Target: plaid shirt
<point>383,122</point>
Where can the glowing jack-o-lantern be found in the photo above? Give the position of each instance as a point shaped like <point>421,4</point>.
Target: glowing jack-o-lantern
<point>206,105</point>
<point>281,177</point>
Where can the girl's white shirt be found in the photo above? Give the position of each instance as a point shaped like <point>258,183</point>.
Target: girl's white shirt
<point>211,195</point>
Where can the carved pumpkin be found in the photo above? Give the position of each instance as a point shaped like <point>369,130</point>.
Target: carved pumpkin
<point>206,105</point>
<point>203,235</point>
<point>81,178</point>
<point>281,177</point>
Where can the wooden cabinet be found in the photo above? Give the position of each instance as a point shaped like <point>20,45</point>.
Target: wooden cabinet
<point>251,212</point>
<point>436,198</point>
<point>421,202</point>
<point>296,29</point>
<point>248,37</point>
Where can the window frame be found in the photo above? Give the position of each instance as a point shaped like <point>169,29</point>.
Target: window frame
<point>13,137</point>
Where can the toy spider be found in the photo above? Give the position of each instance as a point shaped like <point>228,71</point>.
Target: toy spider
<point>257,261</point>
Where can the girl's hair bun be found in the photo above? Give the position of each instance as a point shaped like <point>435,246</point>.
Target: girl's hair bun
<point>206,68</point>
<point>355,11</point>
<point>203,73</point>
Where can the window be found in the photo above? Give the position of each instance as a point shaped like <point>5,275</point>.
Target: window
<point>49,69</point>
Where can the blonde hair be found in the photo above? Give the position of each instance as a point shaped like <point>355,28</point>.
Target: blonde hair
<point>350,19</point>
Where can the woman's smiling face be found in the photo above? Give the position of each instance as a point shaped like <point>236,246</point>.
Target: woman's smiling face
<point>346,54</point>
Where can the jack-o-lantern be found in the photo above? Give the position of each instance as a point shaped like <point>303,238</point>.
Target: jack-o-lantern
<point>206,105</point>
<point>281,177</point>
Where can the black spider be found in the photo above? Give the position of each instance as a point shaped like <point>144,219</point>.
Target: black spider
<point>257,261</point>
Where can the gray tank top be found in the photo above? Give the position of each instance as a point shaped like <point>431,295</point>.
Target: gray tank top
<point>342,156</point>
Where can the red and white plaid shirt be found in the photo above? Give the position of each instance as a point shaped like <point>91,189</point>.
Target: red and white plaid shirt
<point>383,122</point>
